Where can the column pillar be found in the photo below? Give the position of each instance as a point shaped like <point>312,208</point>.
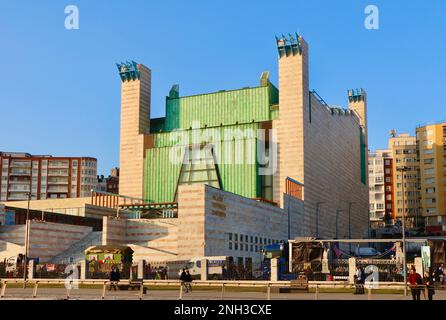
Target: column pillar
<point>351,269</point>
<point>31,268</point>
<point>83,272</point>
<point>204,269</point>
<point>274,269</point>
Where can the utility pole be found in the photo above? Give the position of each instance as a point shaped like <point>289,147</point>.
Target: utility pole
<point>337,218</point>
<point>317,218</point>
<point>26,242</point>
<point>403,170</point>
<point>350,225</point>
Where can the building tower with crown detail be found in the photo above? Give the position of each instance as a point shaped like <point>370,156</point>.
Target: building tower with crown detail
<point>135,125</point>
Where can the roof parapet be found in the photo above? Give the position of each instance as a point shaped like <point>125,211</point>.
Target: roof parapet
<point>129,70</point>
<point>289,45</point>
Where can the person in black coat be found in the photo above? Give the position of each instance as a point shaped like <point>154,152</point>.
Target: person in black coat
<point>115,276</point>
<point>183,279</point>
<point>428,281</point>
<point>188,281</point>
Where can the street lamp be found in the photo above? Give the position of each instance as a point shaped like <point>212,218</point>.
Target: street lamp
<point>403,170</point>
<point>317,218</point>
<point>26,242</point>
<point>337,218</point>
<point>350,203</point>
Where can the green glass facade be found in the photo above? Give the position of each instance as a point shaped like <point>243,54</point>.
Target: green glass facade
<point>214,118</point>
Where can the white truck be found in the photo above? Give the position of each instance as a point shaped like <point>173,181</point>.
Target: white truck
<point>216,267</point>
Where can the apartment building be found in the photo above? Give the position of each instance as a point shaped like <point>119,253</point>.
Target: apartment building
<point>23,175</point>
<point>404,154</point>
<point>380,187</point>
<point>431,142</point>
<point>108,184</point>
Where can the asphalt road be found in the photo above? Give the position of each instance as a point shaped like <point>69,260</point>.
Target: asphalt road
<point>95,294</point>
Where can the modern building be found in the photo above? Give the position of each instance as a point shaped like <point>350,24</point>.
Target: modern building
<point>380,187</point>
<point>431,142</point>
<point>24,176</point>
<point>228,172</point>
<point>404,154</point>
<point>321,147</point>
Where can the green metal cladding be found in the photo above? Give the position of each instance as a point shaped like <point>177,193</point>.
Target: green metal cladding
<point>220,108</point>
<point>225,114</point>
<point>162,174</point>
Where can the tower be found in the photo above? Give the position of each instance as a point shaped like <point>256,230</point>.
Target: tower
<point>357,101</point>
<point>135,125</point>
<point>293,103</point>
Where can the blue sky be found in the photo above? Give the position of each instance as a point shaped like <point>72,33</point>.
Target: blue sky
<point>60,92</point>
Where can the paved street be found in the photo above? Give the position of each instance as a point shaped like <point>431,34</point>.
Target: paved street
<point>95,294</point>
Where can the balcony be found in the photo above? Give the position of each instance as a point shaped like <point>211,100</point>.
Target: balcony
<point>18,197</point>
<point>58,189</point>
<point>55,181</point>
<point>18,172</point>
<point>17,164</point>
<point>57,173</point>
<point>19,188</point>
<point>58,165</point>
<point>22,181</point>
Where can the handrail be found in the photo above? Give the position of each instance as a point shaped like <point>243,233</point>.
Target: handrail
<point>317,285</point>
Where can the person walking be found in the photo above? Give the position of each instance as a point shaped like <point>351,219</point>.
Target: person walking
<point>183,279</point>
<point>430,285</point>
<point>115,276</point>
<point>415,281</point>
<point>359,281</point>
<point>440,273</point>
<point>188,281</point>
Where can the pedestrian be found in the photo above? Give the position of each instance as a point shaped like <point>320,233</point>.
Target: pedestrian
<point>166,272</point>
<point>430,285</point>
<point>183,279</point>
<point>415,281</point>
<point>115,276</point>
<point>358,279</point>
<point>188,281</point>
<point>440,273</point>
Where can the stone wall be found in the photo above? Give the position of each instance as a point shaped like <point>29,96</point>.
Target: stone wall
<point>333,173</point>
<point>206,217</point>
<point>48,239</point>
<point>228,215</point>
<point>14,234</point>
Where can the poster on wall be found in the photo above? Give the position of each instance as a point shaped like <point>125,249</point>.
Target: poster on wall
<point>426,257</point>
<point>7,216</point>
<point>108,257</point>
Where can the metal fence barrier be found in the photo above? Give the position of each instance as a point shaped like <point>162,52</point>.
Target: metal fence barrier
<point>222,285</point>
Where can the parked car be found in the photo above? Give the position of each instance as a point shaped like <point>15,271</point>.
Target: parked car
<point>366,252</point>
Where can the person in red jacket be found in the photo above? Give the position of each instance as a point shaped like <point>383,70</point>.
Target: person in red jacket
<point>415,280</point>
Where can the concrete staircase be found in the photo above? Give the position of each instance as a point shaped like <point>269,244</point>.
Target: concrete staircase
<point>76,252</point>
